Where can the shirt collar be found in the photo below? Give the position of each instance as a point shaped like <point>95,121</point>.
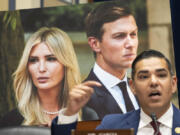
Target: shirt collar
<point>106,78</point>
<point>165,119</point>
<point>144,119</point>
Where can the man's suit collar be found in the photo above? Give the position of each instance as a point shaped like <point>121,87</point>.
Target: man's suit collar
<point>103,91</point>
<point>176,120</point>
<point>133,120</point>
<point>103,95</point>
<point>108,79</point>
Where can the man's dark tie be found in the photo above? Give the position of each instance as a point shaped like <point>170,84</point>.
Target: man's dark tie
<point>156,131</point>
<point>128,103</point>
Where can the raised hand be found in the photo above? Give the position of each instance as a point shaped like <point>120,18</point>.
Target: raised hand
<point>79,96</point>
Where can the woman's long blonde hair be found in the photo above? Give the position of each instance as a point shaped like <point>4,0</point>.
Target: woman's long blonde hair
<point>25,91</point>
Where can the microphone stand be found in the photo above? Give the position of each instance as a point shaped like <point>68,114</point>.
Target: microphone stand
<point>154,118</point>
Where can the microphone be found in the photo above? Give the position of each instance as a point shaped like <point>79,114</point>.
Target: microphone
<point>154,118</point>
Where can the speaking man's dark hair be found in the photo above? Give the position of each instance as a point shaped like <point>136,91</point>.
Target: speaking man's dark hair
<point>149,54</point>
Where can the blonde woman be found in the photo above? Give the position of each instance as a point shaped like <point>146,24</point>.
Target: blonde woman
<point>46,75</point>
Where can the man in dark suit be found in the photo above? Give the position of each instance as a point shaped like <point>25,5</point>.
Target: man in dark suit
<point>153,82</point>
<point>112,35</point>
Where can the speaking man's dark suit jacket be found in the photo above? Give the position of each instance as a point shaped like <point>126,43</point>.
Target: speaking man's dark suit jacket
<point>116,121</point>
<point>101,101</point>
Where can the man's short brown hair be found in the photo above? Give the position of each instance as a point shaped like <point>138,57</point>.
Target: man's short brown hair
<point>104,13</point>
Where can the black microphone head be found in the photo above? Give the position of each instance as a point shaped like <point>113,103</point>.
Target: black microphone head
<point>153,116</point>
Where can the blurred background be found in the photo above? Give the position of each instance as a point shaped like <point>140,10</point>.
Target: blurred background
<point>153,20</point>
<point>27,4</point>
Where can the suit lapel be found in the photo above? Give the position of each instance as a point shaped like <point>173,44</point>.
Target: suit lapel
<point>176,121</point>
<point>133,120</point>
<point>104,96</point>
<point>102,90</point>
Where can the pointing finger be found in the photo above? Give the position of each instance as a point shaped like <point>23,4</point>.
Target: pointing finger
<point>92,83</point>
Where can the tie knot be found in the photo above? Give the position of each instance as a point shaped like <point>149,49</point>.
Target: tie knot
<point>122,85</point>
<point>153,124</point>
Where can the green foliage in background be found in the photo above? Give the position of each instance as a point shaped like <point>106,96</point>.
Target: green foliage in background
<point>71,18</point>
<point>11,46</point>
<point>10,18</point>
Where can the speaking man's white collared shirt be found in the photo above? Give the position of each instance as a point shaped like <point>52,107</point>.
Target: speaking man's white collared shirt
<point>165,127</point>
<point>111,82</point>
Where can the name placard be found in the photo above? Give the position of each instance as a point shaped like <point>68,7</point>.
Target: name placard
<point>104,132</point>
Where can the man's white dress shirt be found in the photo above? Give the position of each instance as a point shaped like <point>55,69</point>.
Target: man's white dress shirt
<point>165,127</point>
<point>111,83</point>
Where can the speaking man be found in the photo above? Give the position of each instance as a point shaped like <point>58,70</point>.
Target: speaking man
<point>153,82</point>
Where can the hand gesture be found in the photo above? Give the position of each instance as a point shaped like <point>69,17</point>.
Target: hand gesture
<point>79,96</point>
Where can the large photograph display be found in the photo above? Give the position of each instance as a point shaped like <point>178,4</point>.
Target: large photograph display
<point>17,26</point>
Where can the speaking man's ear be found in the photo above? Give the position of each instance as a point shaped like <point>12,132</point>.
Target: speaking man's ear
<point>174,84</point>
<point>131,84</point>
<point>94,44</point>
